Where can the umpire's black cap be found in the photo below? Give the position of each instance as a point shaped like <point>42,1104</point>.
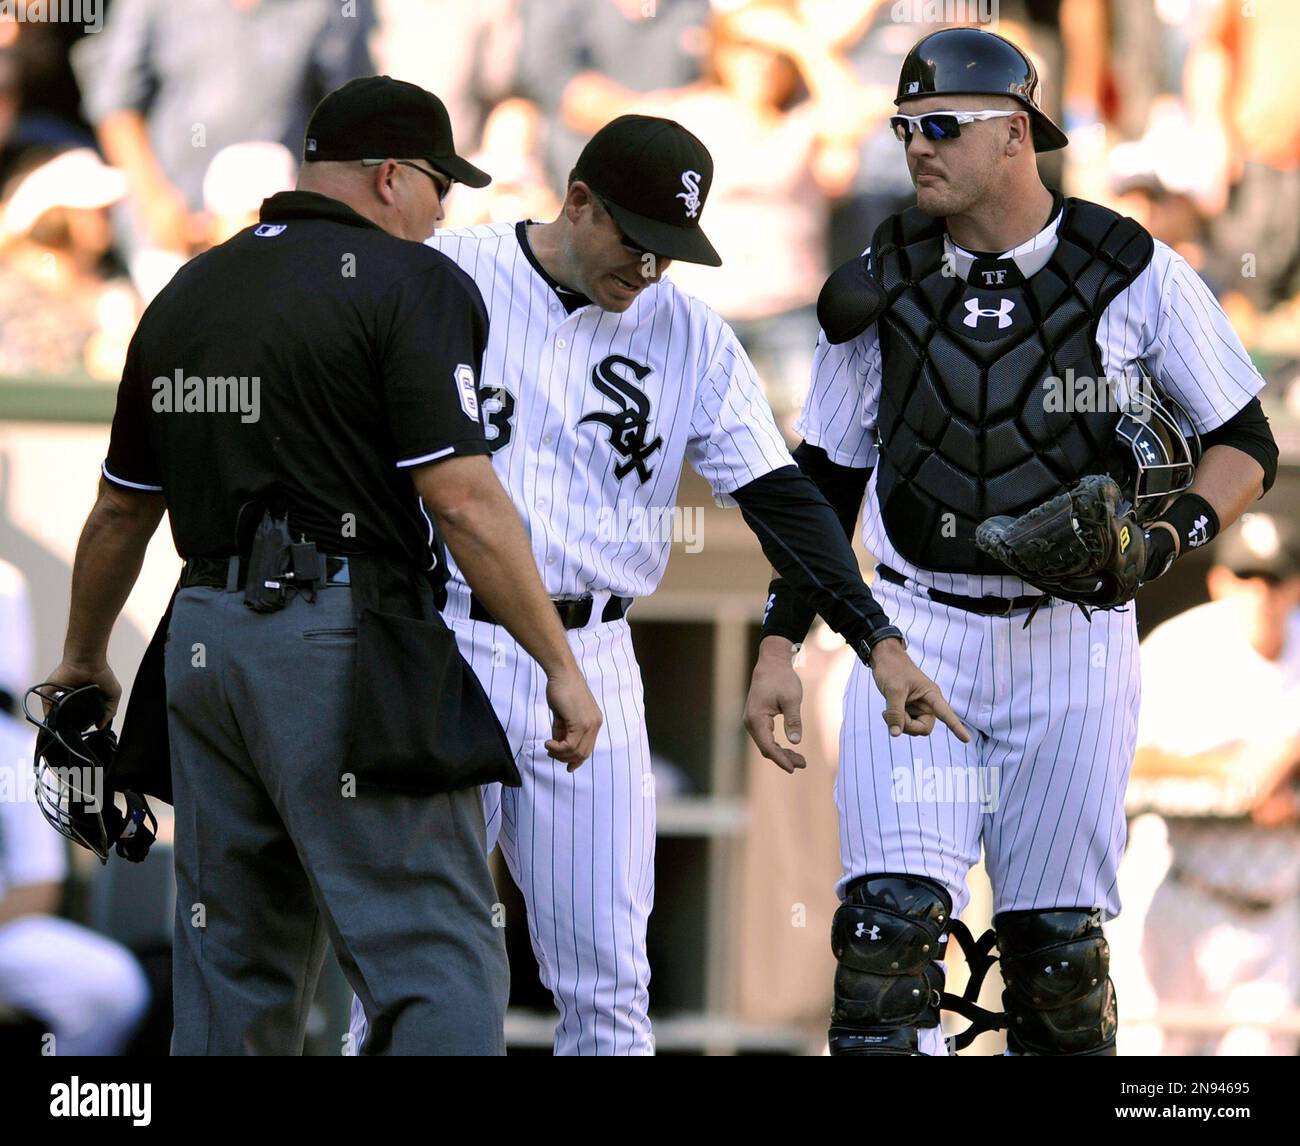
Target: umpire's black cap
<point>971,61</point>
<point>378,117</point>
<point>654,176</point>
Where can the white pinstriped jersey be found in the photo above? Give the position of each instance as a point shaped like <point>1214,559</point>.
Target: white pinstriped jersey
<point>1166,318</point>
<point>594,413</point>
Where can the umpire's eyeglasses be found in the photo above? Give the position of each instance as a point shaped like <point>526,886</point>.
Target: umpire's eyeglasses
<point>444,189</point>
<point>937,125</point>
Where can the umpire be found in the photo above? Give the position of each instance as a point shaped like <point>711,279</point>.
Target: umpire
<point>285,399</point>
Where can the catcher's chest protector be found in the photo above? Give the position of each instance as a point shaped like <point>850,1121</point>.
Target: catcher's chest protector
<point>965,430</point>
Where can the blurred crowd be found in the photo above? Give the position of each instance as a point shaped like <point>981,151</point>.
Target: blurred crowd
<point>125,151</point>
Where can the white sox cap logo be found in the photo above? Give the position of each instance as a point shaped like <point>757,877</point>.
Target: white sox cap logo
<point>691,196</point>
<point>1002,313</point>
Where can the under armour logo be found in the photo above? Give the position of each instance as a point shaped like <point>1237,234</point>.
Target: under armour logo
<point>1003,312</point>
<point>627,427</point>
<point>1050,970</point>
<point>1148,453</point>
<point>771,600</point>
<point>1199,534</point>
<point>872,932</point>
<point>994,278</point>
<point>691,196</point>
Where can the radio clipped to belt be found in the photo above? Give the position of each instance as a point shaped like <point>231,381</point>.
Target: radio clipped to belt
<point>277,564</point>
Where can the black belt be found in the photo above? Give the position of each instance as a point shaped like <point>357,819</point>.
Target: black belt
<point>574,612</point>
<point>985,606</point>
<point>214,573</point>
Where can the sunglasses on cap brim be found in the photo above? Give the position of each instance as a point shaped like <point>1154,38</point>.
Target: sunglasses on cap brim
<point>937,125</point>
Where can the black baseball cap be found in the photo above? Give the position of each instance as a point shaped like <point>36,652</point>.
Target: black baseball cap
<point>1260,544</point>
<point>378,117</point>
<point>654,175</point>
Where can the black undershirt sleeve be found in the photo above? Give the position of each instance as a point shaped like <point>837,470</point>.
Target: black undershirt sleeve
<point>805,540</point>
<point>843,486</point>
<point>1248,431</point>
<point>788,614</point>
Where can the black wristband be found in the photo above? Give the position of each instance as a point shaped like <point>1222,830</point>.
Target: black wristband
<point>786,615</point>
<point>1194,520</point>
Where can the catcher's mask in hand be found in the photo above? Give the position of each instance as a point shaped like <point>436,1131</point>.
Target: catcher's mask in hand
<point>1160,448</point>
<point>72,762</point>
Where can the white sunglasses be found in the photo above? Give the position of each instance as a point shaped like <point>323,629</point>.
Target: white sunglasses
<point>936,125</point>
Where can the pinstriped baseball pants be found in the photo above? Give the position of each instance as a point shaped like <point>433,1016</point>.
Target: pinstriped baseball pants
<point>1052,711</point>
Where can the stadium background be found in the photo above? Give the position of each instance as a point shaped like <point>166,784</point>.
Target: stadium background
<point>1182,113</point>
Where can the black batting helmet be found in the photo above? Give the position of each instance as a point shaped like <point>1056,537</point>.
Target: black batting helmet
<point>970,61</point>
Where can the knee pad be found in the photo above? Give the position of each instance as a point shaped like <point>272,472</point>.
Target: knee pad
<point>887,935</point>
<point>1059,998</point>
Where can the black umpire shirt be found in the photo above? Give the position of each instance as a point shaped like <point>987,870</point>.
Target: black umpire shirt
<point>306,363</point>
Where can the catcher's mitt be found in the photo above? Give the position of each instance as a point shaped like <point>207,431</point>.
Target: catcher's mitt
<point>1075,547</point>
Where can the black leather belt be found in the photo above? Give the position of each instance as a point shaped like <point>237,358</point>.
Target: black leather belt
<point>985,606</point>
<point>214,572</point>
<point>575,612</point>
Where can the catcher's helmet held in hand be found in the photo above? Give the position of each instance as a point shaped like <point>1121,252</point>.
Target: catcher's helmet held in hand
<point>74,758</point>
<point>1159,449</point>
<point>970,61</point>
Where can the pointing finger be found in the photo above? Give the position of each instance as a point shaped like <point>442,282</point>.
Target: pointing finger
<point>943,710</point>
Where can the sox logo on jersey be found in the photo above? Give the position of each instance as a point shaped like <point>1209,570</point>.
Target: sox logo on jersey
<point>629,426</point>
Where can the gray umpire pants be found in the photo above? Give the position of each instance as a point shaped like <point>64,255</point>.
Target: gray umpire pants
<point>273,854</point>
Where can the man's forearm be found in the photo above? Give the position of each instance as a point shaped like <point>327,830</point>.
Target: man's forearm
<point>806,544</point>
<point>486,536</point>
<point>110,553</point>
<point>1229,480</point>
<point>789,614</point>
